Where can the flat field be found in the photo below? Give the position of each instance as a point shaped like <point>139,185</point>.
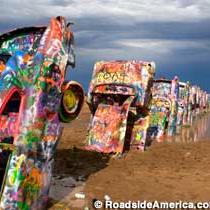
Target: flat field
<point>177,169</point>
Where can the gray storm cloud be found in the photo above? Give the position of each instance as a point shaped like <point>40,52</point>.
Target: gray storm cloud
<point>176,33</point>
<point>138,11</point>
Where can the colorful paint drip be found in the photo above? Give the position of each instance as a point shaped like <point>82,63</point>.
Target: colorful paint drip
<point>119,96</point>
<point>34,100</point>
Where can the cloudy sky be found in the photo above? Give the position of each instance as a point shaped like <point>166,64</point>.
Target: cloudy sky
<point>173,33</point>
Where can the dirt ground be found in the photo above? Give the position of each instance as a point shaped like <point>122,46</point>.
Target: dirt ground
<point>165,172</point>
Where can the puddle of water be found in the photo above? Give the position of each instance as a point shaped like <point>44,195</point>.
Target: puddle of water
<point>200,130</point>
<point>62,193</point>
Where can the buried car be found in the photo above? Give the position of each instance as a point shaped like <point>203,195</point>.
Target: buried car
<point>163,108</point>
<point>183,105</point>
<point>198,103</point>
<point>118,97</point>
<point>204,102</point>
<point>34,100</point>
<point>194,101</point>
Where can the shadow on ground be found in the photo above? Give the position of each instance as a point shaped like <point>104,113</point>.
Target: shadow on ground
<point>74,166</point>
<point>76,162</point>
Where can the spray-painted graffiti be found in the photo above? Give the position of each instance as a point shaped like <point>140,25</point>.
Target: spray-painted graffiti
<point>111,77</point>
<point>183,105</point>
<point>33,101</point>
<point>118,97</point>
<point>174,104</point>
<point>164,108</point>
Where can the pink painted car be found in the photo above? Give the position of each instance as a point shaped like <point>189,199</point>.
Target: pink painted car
<point>34,100</point>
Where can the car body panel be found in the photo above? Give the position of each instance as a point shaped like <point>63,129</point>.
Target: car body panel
<point>35,62</point>
<point>163,108</point>
<point>119,89</point>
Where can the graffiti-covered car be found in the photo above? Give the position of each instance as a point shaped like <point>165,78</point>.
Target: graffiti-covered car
<point>204,102</point>
<point>183,104</point>
<point>198,103</point>
<point>119,97</point>
<point>194,101</point>
<point>34,100</point>
<point>163,108</point>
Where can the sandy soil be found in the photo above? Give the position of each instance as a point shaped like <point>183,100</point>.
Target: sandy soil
<point>165,172</point>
